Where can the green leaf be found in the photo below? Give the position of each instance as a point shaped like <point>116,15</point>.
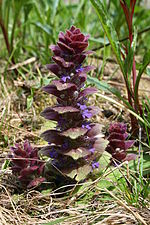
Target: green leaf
<point>74,133</point>
<point>57,221</point>
<point>46,28</point>
<point>54,10</point>
<point>99,40</point>
<point>78,153</point>
<point>78,10</point>
<point>129,62</point>
<point>29,101</point>
<point>109,30</point>
<point>146,61</point>
<point>106,87</point>
<point>148,71</point>
<point>5,164</point>
<point>78,173</point>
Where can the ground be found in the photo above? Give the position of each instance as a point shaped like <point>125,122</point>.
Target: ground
<point>92,204</point>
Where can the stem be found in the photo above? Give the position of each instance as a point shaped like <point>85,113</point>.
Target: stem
<point>5,34</point>
<point>147,29</point>
<point>134,72</point>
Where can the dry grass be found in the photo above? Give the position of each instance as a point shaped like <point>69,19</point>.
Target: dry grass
<point>35,207</point>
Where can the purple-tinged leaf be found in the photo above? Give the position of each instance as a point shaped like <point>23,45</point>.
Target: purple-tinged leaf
<point>78,37</point>
<point>36,182</point>
<point>63,86</point>
<point>49,149</point>
<point>53,136</point>
<point>88,91</point>
<point>79,173</point>
<point>65,48</point>
<point>62,63</point>
<point>85,69</point>
<point>27,171</point>
<point>78,153</point>
<point>115,143</point>
<point>50,114</point>
<point>119,155</point>
<point>54,68</point>
<point>130,157</point>
<point>74,133</point>
<point>118,128</point>
<point>56,50</point>
<point>65,109</point>
<point>62,37</point>
<point>100,145</point>
<point>119,136</point>
<point>96,130</point>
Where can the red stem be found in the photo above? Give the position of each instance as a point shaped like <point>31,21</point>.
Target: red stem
<point>5,34</point>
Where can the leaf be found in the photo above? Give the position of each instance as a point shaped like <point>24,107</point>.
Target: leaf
<point>129,62</point>
<point>74,133</point>
<point>44,27</point>
<point>62,86</point>
<point>78,153</point>
<point>146,61</point>
<point>54,9</point>
<point>56,221</point>
<point>79,9</point>
<point>99,40</point>
<point>65,109</point>
<point>148,71</point>
<point>109,30</point>
<point>29,101</point>
<point>106,87</point>
<point>78,173</point>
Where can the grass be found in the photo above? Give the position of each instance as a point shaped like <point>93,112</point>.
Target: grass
<point>112,194</point>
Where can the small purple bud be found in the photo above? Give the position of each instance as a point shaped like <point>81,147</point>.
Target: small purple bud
<point>92,150</point>
<point>95,165</point>
<point>82,107</point>
<point>64,78</point>
<point>86,114</point>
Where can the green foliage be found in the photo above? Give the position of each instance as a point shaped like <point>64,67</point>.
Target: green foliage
<point>109,30</point>
<point>146,61</point>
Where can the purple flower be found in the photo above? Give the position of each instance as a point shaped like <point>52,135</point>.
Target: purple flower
<point>86,125</point>
<point>79,69</point>
<point>95,165</point>
<point>64,78</point>
<point>86,114</point>
<point>92,150</point>
<point>82,107</point>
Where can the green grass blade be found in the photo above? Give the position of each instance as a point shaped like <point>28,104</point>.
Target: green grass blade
<point>46,28</point>
<point>57,221</point>
<point>106,87</point>
<point>146,61</point>
<point>54,9</point>
<point>109,30</point>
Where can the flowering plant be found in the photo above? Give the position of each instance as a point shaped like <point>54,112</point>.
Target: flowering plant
<point>76,144</point>
<point>118,145</point>
<point>26,165</point>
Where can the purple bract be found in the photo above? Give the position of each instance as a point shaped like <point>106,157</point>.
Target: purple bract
<point>26,164</point>
<point>118,145</point>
